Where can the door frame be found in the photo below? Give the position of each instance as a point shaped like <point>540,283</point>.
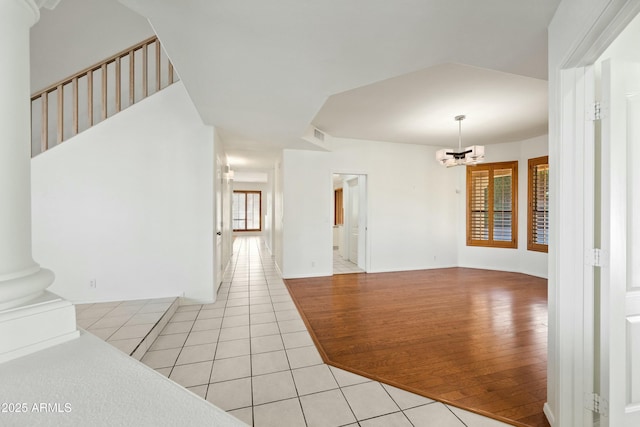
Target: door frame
<point>569,373</point>
<point>364,210</point>
<point>347,205</point>
<point>218,237</point>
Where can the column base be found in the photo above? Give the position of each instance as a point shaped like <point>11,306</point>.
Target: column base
<point>42,322</point>
<point>25,288</point>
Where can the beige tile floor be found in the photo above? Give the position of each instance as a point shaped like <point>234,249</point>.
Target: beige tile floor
<point>344,266</point>
<point>250,354</point>
<point>126,324</point>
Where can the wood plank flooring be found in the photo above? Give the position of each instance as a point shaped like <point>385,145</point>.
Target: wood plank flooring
<point>476,339</point>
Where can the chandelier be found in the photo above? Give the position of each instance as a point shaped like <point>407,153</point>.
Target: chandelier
<point>469,156</point>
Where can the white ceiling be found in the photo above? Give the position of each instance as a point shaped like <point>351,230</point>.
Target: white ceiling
<point>419,108</point>
<point>262,71</point>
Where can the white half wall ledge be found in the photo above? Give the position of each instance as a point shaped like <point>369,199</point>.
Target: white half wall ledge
<point>87,382</point>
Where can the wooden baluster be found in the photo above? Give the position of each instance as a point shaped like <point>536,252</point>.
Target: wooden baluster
<point>89,73</point>
<point>60,90</point>
<point>145,70</point>
<point>170,78</point>
<point>132,78</point>
<point>118,85</point>
<point>158,72</point>
<point>104,91</point>
<point>44,138</point>
<point>75,105</point>
<point>90,96</point>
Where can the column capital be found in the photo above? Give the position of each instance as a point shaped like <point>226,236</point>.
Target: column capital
<point>47,4</point>
<point>34,7</point>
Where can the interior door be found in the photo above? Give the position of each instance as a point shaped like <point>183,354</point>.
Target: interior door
<point>354,220</point>
<point>620,272</point>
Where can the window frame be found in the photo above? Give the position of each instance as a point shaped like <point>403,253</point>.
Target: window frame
<point>491,167</point>
<point>531,245</point>
<point>245,192</point>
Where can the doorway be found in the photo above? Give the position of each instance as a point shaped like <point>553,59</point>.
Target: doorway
<point>350,223</point>
<point>599,111</point>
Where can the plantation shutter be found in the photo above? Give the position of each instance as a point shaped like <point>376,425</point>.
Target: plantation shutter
<point>538,223</point>
<point>502,205</point>
<point>491,205</point>
<point>479,205</point>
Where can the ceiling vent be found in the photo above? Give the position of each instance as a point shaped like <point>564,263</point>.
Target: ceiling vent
<point>318,135</point>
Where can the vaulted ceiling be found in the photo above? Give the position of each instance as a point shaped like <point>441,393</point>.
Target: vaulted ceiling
<point>262,72</point>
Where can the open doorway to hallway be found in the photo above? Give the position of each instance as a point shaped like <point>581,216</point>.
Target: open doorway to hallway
<point>349,223</point>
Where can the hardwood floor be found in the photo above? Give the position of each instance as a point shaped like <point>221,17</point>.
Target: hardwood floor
<point>476,339</point>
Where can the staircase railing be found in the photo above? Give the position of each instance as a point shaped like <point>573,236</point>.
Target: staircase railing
<point>97,92</point>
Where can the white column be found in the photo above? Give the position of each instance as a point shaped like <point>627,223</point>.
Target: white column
<point>23,328</point>
<point>20,277</point>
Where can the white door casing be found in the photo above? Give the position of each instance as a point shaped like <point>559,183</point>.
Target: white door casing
<point>362,221</point>
<point>353,233</point>
<point>218,260</point>
<point>354,220</point>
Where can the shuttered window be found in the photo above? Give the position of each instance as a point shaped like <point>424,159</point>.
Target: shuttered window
<point>247,211</point>
<point>538,219</point>
<point>492,205</point>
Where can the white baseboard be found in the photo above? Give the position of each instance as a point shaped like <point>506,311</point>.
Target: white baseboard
<point>549,414</point>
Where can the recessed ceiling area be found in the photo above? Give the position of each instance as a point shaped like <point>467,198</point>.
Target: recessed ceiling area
<point>419,108</point>
<point>260,72</point>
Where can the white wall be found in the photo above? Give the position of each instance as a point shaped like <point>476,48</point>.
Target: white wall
<point>416,208</point>
<point>411,206</point>
<point>307,193</point>
<point>129,203</point>
<point>519,260</point>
